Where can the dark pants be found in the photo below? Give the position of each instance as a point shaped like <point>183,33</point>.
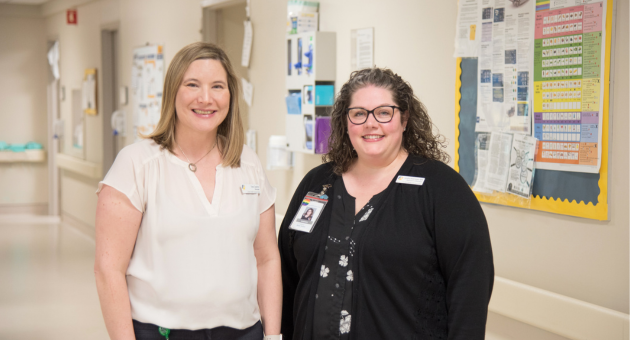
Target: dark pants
<point>147,331</point>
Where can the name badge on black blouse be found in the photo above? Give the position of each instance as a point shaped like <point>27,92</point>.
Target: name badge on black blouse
<point>410,180</point>
<point>311,208</point>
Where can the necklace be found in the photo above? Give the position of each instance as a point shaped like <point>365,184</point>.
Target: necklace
<point>192,166</point>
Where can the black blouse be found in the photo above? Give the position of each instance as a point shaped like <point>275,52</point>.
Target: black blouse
<point>421,266</point>
<point>333,300</point>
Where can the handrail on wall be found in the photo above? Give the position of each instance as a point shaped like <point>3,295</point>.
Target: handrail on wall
<point>80,166</point>
<point>559,314</point>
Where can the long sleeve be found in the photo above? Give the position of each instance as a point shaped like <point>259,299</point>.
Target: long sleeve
<point>290,275</point>
<point>465,257</point>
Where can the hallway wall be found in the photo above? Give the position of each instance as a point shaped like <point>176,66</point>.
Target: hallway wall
<point>23,104</point>
<point>138,22</point>
<point>549,251</point>
<point>579,258</point>
<point>173,24</point>
<point>80,49</point>
<point>583,259</point>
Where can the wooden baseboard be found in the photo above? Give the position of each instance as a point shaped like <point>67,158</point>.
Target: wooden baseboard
<point>79,225</point>
<point>559,314</point>
<point>24,209</point>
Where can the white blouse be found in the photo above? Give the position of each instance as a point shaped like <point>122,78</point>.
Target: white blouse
<point>193,264</point>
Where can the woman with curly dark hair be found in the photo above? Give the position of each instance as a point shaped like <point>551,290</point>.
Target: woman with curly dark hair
<point>401,250</point>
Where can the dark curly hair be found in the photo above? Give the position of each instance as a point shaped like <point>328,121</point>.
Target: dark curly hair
<point>418,138</point>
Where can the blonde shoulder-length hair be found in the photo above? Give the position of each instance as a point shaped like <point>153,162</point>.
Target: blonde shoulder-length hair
<point>230,135</point>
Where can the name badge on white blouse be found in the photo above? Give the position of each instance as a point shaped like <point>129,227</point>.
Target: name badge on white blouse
<point>250,189</point>
<point>410,180</point>
<point>311,208</point>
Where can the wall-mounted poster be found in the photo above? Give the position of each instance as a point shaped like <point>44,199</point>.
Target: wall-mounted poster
<point>147,83</point>
<point>568,84</point>
<point>88,92</point>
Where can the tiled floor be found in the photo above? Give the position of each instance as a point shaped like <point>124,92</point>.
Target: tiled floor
<point>47,288</point>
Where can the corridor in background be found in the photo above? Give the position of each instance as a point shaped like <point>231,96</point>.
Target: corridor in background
<point>47,290</point>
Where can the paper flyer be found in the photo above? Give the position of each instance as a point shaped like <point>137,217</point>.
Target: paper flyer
<point>504,90</point>
<point>498,161</point>
<point>484,62</point>
<point>482,149</point>
<point>248,38</point>
<point>467,38</point>
<point>568,84</point>
<point>147,83</point>
<point>248,91</point>
<point>521,176</point>
<point>518,48</point>
<point>364,48</point>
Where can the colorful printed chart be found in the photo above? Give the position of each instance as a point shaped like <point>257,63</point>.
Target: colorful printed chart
<point>568,84</point>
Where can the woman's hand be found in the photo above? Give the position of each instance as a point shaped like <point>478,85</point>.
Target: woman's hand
<point>269,275</point>
<point>117,224</point>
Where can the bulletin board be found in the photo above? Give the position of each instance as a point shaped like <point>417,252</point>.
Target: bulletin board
<point>568,193</point>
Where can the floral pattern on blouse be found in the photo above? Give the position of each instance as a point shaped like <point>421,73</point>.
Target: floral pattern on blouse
<point>343,261</point>
<point>344,324</point>
<point>367,214</point>
<point>334,291</point>
<point>324,272</point>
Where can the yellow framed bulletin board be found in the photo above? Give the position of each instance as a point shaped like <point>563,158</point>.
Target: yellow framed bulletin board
<point>567,193</point>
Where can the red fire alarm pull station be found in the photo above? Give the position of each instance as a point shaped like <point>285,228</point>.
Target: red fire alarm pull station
<point>71,16</point>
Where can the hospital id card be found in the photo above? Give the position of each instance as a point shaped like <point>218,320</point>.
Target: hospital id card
<point>309,212</point>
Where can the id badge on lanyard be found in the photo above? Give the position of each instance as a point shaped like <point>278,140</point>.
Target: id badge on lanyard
<point>310,210</point>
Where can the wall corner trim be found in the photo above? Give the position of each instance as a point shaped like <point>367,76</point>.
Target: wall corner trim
<point>557,313</point>
<point>217,4</point>
<point>83,228</point>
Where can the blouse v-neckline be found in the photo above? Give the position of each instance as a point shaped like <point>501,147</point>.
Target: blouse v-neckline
<point>211,207</point>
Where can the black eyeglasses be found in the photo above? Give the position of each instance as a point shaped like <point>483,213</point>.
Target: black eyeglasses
<point>382,114</point>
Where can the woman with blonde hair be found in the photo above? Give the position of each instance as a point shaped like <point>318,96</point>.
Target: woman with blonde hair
<point>401,250</point>
<point>185,231</point>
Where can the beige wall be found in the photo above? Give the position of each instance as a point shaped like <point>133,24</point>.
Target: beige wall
<point>138,22</point>
<point>230,31</point>
<point>23,67</point>
<point>578,258</point>
<point>403,42</point>
<point>173,24</point>
<point>266,73</point>
<point>80,49</point>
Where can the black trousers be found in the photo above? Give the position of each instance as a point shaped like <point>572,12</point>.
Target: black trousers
<point>147,331</point>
